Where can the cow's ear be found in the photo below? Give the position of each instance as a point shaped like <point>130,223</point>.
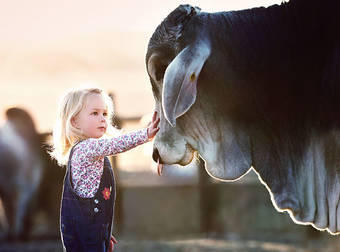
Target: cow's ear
<point>180,80</point>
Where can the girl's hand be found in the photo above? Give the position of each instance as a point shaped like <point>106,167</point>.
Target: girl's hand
<point>112,242</point>
<point>152,126</point>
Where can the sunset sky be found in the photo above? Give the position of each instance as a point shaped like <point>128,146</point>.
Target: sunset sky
<point>48,46</point>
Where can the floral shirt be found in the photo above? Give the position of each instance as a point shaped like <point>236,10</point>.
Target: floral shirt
<point>87,161</point>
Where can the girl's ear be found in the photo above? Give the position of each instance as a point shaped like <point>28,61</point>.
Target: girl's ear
<point>74,122</point>
<point>180,80</point>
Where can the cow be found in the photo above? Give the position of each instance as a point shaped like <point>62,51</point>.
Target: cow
<point>255,89</point>
<point>21,170</point>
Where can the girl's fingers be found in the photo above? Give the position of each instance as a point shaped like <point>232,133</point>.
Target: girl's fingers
<point>153,125</point>
<point>156,122</point>
<point>154,116</point>
<point>154,131</point>
<point>114,239</point>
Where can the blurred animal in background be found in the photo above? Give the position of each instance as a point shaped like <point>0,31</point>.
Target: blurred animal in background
<point>30,182</point>
<point>20,171</point>
<point>256,88</point>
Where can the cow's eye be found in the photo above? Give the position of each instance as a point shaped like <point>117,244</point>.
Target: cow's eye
<point>157,65</point>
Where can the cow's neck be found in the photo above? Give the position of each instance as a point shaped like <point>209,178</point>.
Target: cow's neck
<point>257,37</point>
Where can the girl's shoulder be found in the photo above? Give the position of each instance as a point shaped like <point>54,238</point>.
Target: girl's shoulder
<point>80,149</point>
<point>85,145</point>
<point>81,144</point>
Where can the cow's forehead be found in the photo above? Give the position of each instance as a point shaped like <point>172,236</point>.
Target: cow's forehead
<point>168,34</point>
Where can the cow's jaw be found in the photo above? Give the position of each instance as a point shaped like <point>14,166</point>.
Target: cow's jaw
<point>224,147</point>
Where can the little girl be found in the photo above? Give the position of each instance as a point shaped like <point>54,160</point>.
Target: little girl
<point>83,137</point>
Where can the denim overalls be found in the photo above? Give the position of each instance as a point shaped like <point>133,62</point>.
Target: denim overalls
<point>86,223</point>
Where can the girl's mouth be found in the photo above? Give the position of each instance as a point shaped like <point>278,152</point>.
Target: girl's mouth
<point>102,128</point>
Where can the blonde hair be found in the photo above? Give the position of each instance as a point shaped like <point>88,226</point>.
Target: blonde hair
<point>64,135</point>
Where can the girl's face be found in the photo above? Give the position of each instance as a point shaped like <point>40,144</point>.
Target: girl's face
<point>92,119</point>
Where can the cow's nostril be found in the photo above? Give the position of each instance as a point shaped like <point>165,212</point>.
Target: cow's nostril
<point>155,156</point>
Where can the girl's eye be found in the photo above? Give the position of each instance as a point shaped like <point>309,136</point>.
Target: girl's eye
<point>104,114</point>
<point>95,113</point>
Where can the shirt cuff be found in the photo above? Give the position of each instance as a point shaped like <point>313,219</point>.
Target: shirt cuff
<point>145,135</point>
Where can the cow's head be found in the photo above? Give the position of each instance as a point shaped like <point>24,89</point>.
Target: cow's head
<point>181,66</point>
<point>223,89</point>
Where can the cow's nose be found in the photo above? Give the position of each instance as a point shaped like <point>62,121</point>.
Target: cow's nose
<point>156,156</point>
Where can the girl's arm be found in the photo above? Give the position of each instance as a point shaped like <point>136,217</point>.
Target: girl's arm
<point>93,147</point>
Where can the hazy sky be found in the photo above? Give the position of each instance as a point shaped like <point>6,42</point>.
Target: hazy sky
<point>47,46</point>
<point>45,20</point>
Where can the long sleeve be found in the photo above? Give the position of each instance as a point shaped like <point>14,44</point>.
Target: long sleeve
<point>93,147</point>
<point>88,159</point>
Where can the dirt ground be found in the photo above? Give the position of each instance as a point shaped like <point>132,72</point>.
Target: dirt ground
<point>189,245</point>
